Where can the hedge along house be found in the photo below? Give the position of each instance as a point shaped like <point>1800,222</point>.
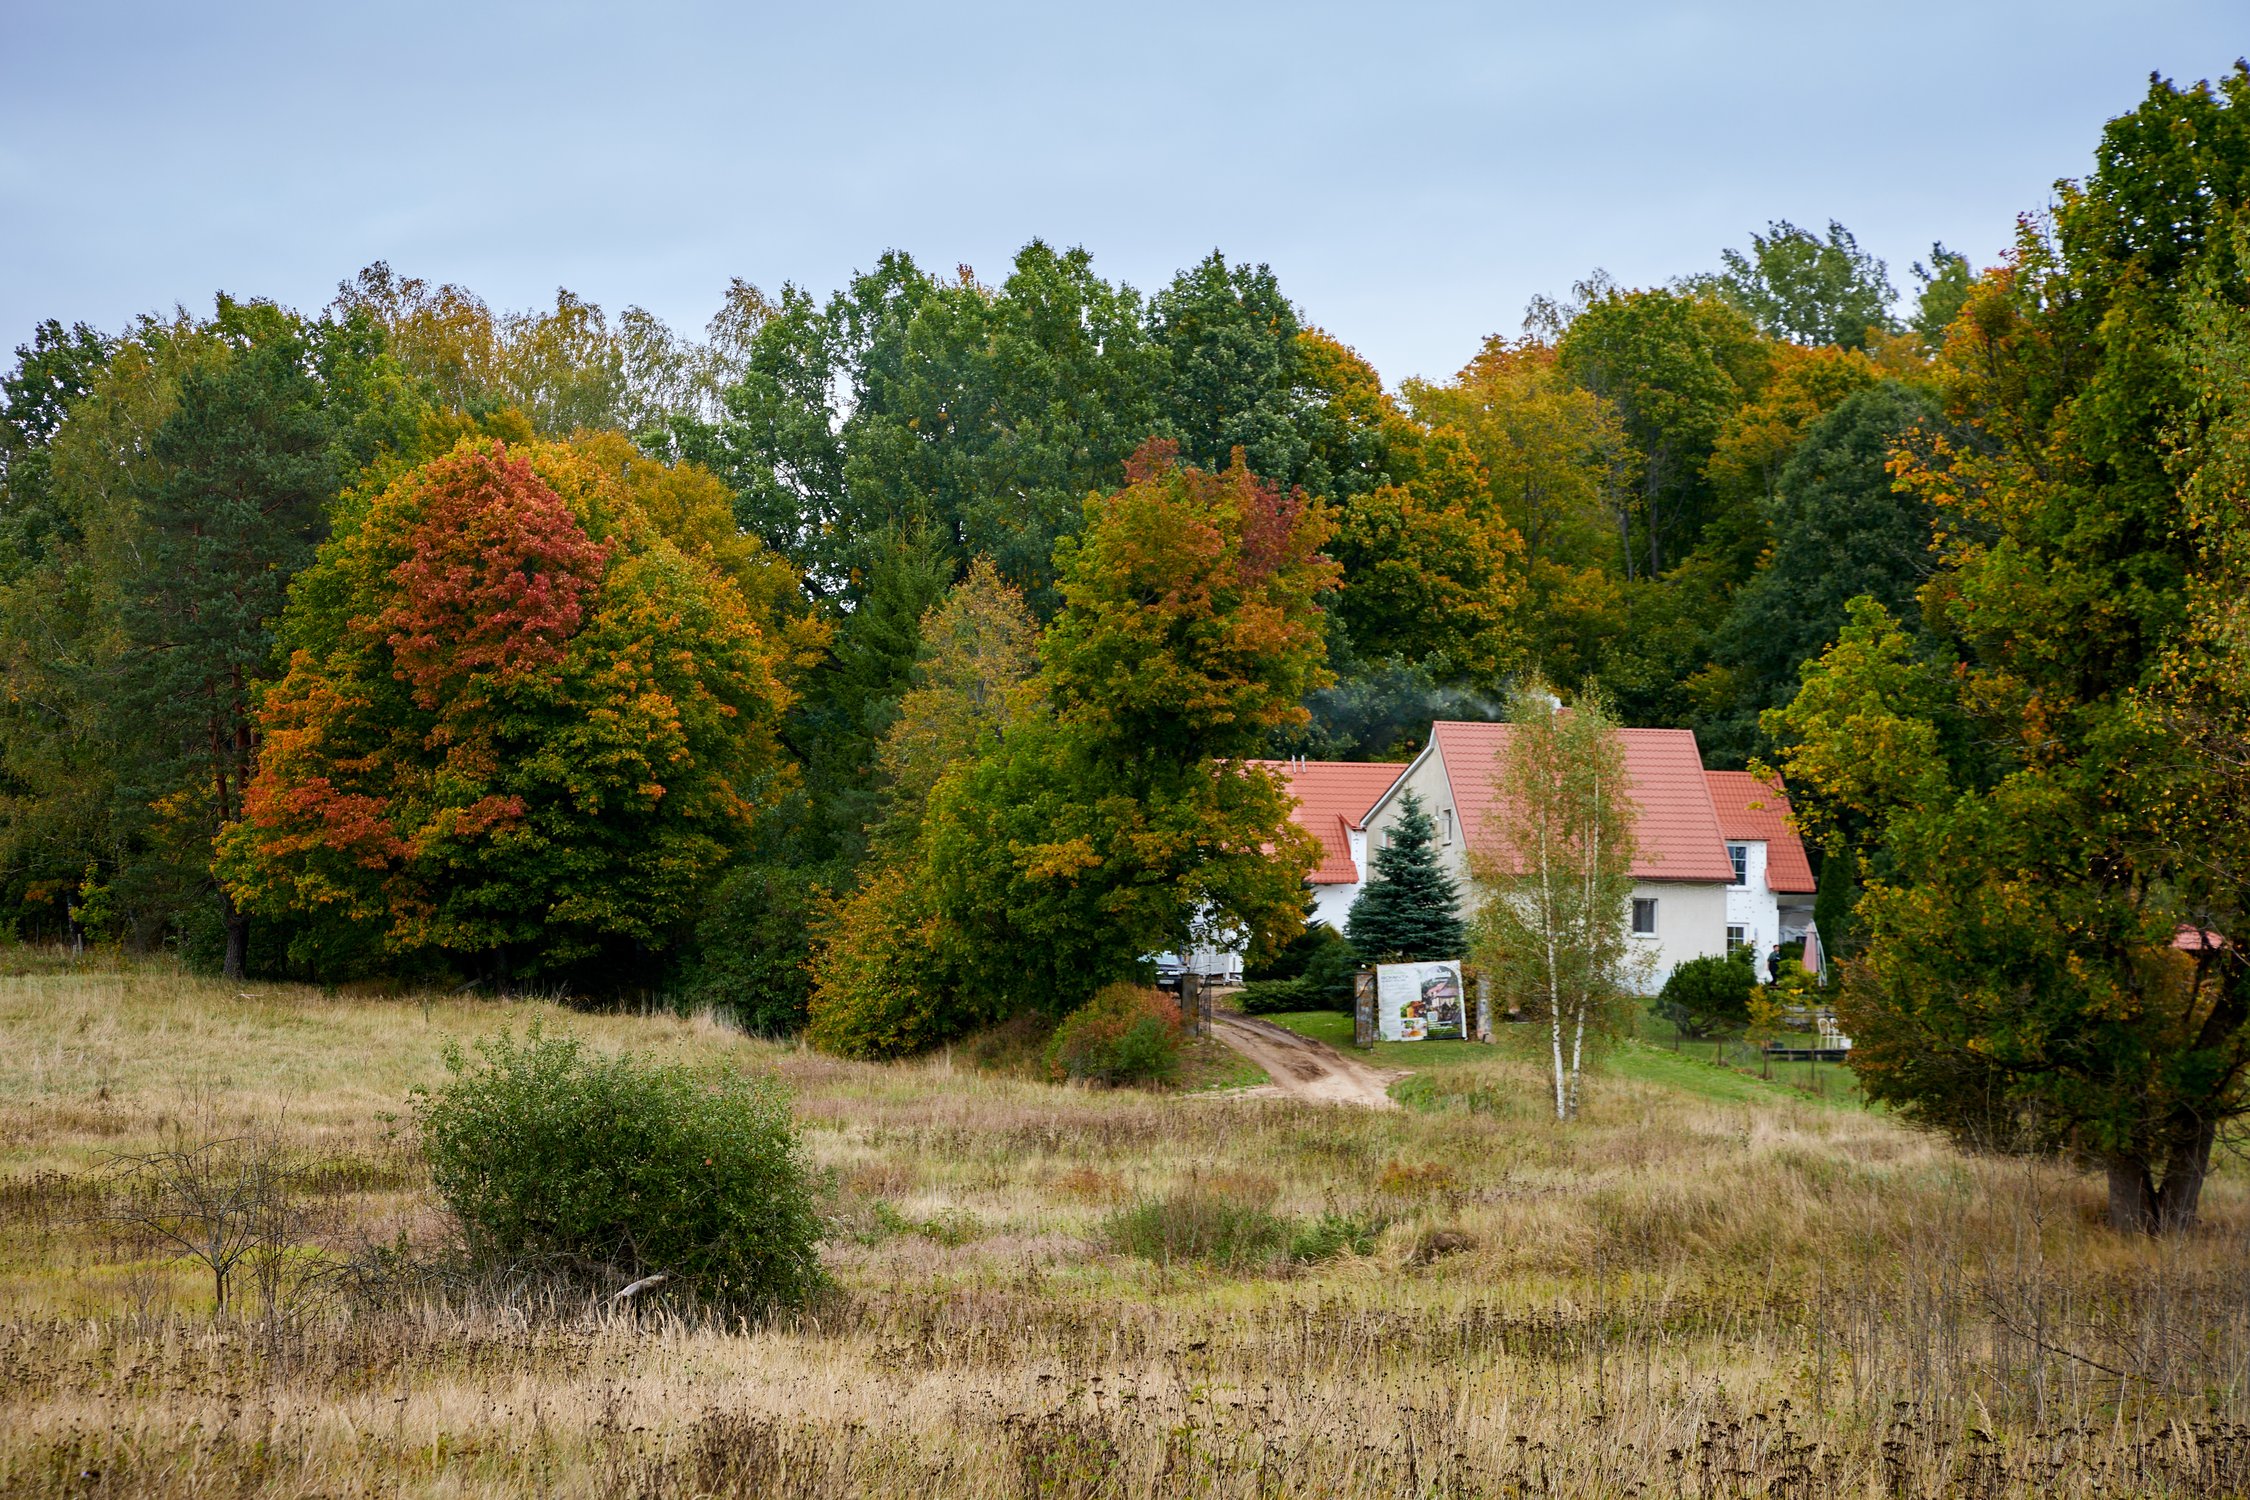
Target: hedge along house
<point>1681,870</point>
<point>1770,899</point>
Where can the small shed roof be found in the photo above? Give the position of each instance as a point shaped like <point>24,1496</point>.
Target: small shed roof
<point>1751,810</point>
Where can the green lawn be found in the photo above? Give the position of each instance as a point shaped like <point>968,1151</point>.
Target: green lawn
<point>1690,1070</point>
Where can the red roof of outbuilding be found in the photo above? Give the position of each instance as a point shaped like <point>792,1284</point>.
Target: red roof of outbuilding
<point>1332,796</point>
<point>1677,831</point>
<point>1753,810</point>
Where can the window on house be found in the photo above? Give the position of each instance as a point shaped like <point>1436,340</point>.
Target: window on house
<point>1735,939</point>
<point>1644,915</point>
<point>1740,854</point>
<point>1449,825</point>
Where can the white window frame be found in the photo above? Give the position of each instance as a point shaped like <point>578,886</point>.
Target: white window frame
<point>1738,938</point>
<point>1644,906</point>
<point>1740,854</point>
<point>1449,828</point>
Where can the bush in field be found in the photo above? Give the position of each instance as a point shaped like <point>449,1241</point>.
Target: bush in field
<point>1125,1034</point>
<point>1216,1223</point>
<point>1704,994</point>
<point>1333,1233</point>
<point>615,1166</point>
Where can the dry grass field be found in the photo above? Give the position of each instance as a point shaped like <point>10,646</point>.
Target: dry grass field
<point>1707,1288</point>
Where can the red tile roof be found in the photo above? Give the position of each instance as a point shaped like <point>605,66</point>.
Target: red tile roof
<point>1332,796</point>
<point>1678,831</point>
<point>1753,810</point>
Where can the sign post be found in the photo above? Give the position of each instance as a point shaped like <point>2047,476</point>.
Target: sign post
<point>1363,1008</point>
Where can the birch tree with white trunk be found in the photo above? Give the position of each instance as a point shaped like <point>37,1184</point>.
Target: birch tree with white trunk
<point>1553,868</point>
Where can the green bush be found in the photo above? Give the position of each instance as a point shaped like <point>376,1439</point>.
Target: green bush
<point>611,1167</point>
<point>1330,971</point>
<point>1125,1034</point>
<point>1705,994</point>
<point>1215,1223</point>
<point>1333,1233</point>
<point>1273,997</point>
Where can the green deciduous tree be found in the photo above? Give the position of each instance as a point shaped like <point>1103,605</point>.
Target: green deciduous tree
<point>1809,288</point>
<point>2038,829</point>
<point>1229,341</point>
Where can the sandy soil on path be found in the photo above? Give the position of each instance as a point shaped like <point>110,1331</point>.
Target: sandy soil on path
<point>1303,1068</point>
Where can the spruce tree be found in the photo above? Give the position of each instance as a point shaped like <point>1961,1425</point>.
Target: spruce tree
<point>1409,911</point>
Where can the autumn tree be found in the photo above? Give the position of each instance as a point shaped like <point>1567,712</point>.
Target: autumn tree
<point>1062,854</point>
<point>2036,834</point>
<point>519,731</point>
<point>1433,569</point>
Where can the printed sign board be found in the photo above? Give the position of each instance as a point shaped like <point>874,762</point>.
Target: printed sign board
<point>1416,1002</point>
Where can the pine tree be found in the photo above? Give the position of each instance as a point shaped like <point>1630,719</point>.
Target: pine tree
<point>1410,910</point>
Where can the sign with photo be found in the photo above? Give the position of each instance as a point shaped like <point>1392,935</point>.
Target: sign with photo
<point>1418,1002</point>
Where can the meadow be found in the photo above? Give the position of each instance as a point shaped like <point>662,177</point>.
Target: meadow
<point>1709,1286</point>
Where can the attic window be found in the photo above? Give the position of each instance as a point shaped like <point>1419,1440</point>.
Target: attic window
<point>1740,854</point>
<point>1449,826</point>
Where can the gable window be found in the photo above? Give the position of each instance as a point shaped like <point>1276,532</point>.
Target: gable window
<point>1740,854</point>
<point>1735,939</point>
<point>1449,826</point>
<point>1644,915</point>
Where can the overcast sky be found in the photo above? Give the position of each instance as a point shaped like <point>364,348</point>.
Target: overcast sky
<point>1413,172</point>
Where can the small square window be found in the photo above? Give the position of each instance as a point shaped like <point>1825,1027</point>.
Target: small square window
<point>1740,854</point>
<point>1644,915</point>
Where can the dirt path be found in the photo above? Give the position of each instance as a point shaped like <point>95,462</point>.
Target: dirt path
<point>1303,1068</point>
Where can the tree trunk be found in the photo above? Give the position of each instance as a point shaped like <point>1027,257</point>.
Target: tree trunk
<point>2184,1172</point>
<point>2132,1196</point>
<point>238,937</point>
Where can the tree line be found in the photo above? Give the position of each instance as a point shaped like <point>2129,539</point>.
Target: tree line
<point>887,661</point>
<point>200,517</point>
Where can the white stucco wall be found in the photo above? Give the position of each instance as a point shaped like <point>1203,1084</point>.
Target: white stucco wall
<point>1426,780</point>
<point>1691,922</point>
<point>1751,906</point>
<point>1333,903</point>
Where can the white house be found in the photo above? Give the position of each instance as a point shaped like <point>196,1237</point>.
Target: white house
<point>1770,898</point>
<point>1681,870</point>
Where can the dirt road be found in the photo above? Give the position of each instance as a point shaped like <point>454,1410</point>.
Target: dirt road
<point>1303,1068</point>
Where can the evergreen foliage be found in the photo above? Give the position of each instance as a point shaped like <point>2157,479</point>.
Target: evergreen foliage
<point>1410,909</point>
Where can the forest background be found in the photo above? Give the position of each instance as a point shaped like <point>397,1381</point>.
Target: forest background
<point>877,640</point>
